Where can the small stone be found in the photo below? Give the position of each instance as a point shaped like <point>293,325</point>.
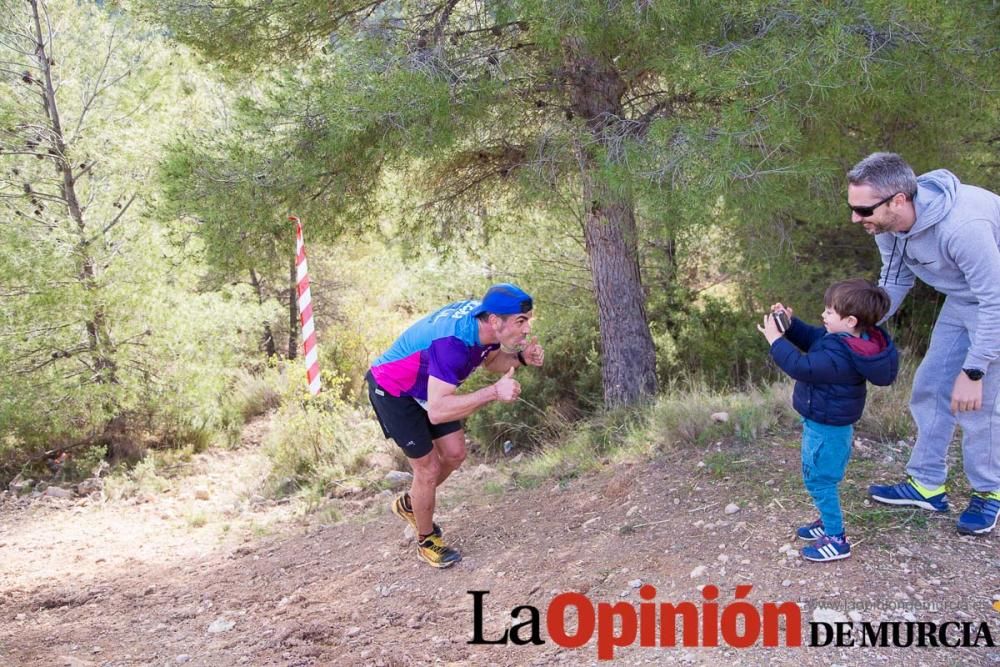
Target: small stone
<point>786,583</point>
<point>398,478</point>
<point>221,625</point>
<point>20,617</point>
<point>482,471</point>
<point>720,417</point>
<point>732,508</point>
<point>201,494</point>
<point>698,571</point>
<point>635,583</point>
<point>57,492</point>
<point>854,615</point>
<point>723,558</point>
<point>908,616</point>
<point>182,658</point>
<point>631,510</point>
<point>21,486</point>
<point>353,631</point>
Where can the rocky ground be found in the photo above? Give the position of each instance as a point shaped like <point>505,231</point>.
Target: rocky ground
<point>208,572</point>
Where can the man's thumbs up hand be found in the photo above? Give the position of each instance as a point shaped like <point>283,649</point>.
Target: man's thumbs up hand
<point>508,389</point>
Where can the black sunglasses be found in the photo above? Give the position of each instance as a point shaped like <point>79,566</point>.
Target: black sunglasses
<point>867,211</point>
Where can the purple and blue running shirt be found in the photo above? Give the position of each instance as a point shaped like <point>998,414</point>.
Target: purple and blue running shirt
<point>445,345</point>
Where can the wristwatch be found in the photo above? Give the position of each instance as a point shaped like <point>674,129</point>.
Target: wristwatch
<point>974,374</point>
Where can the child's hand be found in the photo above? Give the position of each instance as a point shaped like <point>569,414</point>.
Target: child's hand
<point>769,329</point>
<point>779,306</point>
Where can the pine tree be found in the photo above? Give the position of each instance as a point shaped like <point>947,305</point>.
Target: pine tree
<point>619,107</point>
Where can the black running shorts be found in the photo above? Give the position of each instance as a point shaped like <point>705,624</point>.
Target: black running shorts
<point>405,421</point>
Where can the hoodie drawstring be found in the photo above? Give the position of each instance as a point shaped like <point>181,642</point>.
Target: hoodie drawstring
<point>885,278</point>
<point>888,269</point>
<point>902,254</point>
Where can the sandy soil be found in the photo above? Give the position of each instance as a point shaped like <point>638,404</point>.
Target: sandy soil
<point>210,573</point>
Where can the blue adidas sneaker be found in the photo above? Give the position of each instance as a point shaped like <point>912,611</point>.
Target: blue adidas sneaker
<point>912,493</point>
<point>827,548</point>
<point>980,516</point>
<point>811,532</point>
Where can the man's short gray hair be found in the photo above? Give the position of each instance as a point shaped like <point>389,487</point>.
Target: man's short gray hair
<point>886,173</point>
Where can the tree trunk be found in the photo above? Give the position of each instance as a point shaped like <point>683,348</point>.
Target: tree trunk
<point>99,340</point>
<point>628,360</point>
<point>267,339</point>
<point>293,314</point>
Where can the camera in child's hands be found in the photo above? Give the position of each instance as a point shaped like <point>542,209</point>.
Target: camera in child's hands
<point>781,320</point>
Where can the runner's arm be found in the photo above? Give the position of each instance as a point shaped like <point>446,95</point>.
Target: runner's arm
<point>444,405</point>
<point>499,361</point>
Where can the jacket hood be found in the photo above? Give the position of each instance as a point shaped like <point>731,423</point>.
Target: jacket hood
<point>936,192</point>
<point>874,358</point>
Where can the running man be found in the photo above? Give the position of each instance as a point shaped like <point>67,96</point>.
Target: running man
<point>413,389</point>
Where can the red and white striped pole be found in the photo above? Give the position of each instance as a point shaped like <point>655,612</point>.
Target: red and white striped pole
<point>305,310</point>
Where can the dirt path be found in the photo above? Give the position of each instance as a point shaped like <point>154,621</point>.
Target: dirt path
<point>230,579</point>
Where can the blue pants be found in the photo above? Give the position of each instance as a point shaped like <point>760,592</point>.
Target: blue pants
<point>825,452</point>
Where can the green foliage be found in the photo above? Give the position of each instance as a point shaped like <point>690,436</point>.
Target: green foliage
<point>726,126</point>
<point>320,444</point>
<point>585,446</point>
<point>84,464</point>
<point>887,411</point>
<point>552,398</point>
<point>107,332</point>
<point>713,341</point>
<point>147,476</point>
<point>729,120</point>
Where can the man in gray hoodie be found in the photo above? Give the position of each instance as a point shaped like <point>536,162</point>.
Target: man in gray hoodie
<point>947,234</point>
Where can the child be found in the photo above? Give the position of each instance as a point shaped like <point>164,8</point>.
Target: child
<point>830,389</point>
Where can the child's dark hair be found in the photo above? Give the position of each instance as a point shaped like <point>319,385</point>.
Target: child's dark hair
<point>864,300</point>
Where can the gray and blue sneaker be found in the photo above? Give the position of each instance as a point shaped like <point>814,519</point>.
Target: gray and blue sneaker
<point>912,493</point>
<point>827,548</point>
<point>811,532</point>
<point>980,516</point>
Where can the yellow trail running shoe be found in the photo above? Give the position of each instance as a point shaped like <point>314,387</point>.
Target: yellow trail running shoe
<point>437,553</point>
<point>399,509</point>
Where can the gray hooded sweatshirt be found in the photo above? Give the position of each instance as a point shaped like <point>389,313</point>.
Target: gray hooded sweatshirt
<point>954,246</point>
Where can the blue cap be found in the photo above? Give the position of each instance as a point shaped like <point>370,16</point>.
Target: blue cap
<point>505,299</point>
